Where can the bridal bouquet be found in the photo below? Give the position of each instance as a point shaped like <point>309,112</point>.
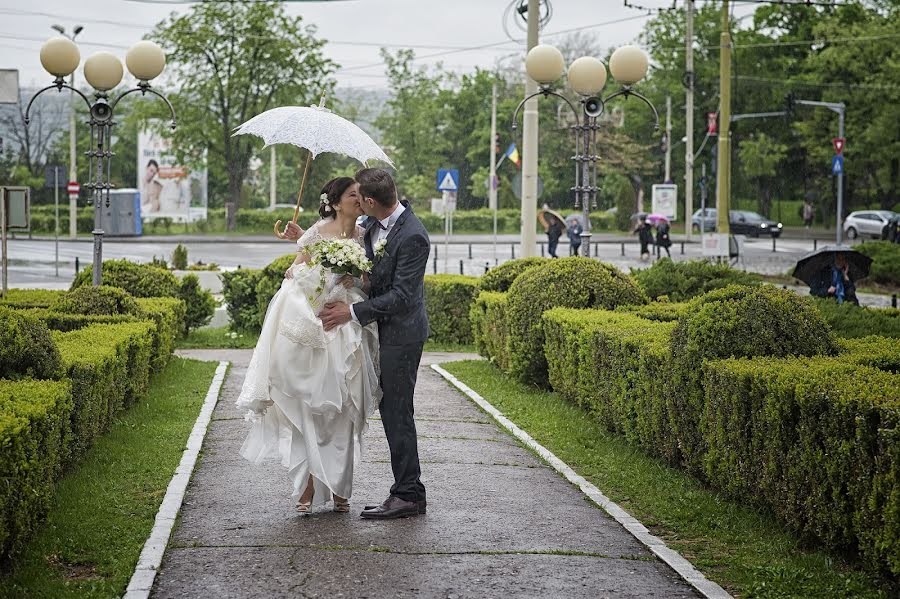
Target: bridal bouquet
<point>341,256</point>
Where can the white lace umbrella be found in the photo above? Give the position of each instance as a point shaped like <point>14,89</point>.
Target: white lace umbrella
<point>316,129</point>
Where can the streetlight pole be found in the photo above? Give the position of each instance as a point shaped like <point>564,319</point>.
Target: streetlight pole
<point>73,171</point>
<point>103,71</point>
<point>530,145</point>
<point>724,168</point>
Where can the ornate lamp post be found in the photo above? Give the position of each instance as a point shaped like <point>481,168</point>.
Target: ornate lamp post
<point>586,76</point>
<point>145,60</point>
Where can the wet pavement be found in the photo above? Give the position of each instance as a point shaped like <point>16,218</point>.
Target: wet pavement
<point>500,523</point>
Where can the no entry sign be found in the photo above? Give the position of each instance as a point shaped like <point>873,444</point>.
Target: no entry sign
<point>73,188</point>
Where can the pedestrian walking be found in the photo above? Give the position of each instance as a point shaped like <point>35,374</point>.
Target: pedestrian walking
<point>645,236</point>
<point>809,213</point>
<point>662,236</point>
<point>574,232</point>
<point>554,226</point>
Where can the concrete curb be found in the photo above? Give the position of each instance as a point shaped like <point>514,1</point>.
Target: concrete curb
<point>151,556</point>
<point>672,558</point>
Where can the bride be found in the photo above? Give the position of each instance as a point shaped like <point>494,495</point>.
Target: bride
<point>309,392</point>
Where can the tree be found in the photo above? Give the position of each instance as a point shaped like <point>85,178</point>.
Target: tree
<point>760,157</point>
<point>233,61</point>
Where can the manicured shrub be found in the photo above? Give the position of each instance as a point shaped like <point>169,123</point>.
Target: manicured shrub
<point>201,306</point>
<point>168,314</point>
<point>34,432</point>
<point>140,280</point>
<point>60,321</point>
<point>98,301</point>
<point>448,302</point>
<point>878,352</point>
<point>269,283</point>
<point>179,257</point>
<point>743,322</point>
<point>817,441</point>
<point>501,277</point>
<point>488,318</point>
<point>850,320</point>
<point>659,311</point>
<point>239,290</point>
<point>575,282</point>
<point>885,261</point>
<point>26,347</point>
<point>31,298</point>
<point>681,281</point>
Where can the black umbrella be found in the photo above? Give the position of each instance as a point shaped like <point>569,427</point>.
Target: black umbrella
<point>810,266</point>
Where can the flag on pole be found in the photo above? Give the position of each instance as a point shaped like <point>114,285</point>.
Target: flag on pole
<point>513,154</point>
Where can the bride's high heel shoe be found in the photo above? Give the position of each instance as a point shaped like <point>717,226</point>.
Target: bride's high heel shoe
<point>341,505</point>
<point>305,507</point>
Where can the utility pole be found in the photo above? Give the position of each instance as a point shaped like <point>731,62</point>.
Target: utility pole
<point>689,121</point>
<point>73,172</point>
<point>724,169</point>
<point>668,139</point>
<point>492,181</point>
<point>272,180</point>
<point>530,145</point>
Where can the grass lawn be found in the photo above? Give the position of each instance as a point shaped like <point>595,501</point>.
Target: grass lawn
<point>747,552</point>
<point>103,511</point>
<point>217,338</point>
<point>438,346</point>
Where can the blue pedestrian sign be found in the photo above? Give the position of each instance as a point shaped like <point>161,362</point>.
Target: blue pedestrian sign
<point>837,165</point>
<point>448,179</point>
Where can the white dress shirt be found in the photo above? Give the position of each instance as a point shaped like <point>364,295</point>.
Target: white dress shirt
<point>381,232</point>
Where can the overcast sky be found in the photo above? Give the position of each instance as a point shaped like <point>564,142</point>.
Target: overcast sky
<point>354,28</point>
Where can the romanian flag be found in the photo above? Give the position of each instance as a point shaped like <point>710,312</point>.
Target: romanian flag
<point>513,154</point>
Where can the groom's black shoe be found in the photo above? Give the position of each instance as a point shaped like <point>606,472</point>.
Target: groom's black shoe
<point>393,507</point>
<point>423,505</point>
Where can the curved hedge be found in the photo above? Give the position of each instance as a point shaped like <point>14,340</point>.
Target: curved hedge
<point>502,277</point>
<point>27,348</point>
<point>488,318</point>
<point>681,281</point>
<point>574,282</point>
<point>239,290</point>
<point>737,322</point>
<point>448,300</point>
<point>98,301</point>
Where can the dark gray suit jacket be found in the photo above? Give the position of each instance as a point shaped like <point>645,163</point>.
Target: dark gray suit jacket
<point>397,296</point>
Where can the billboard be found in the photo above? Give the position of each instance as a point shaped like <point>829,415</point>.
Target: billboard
<point>665,200</point>
<point>168,189</point>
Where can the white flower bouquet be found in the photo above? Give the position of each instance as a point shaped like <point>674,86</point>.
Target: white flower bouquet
<point>341,256</point>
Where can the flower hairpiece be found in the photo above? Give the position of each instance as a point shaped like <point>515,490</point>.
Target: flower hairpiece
<point>325,200</point>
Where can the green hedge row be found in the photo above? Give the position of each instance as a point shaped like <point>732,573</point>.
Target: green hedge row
<point>448,300</point>
<point>885,260</point>
<point>31,298</point>
<point>681,281</point>
<point>488,318</point>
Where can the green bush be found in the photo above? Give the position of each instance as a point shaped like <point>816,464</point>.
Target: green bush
<point>681,281</point>
<point>34,432</point>
<point>659,311</point>
<point>488,318</point>
<point>98,301</point>
<point>621,189</point>
<point>168,313</point>
<point>815,440</point>
<point>31,298</point>
<point>201,306</point>
<point>269,283</point>
<point>26,347</point>
<point>60,321</point>
<point>140,280</point>
<point>850,320</point>
<point>575,282</point>
<point>448,301</point>
<point>239,290</point>
<point>741,322</point>
<point>179,257</point>
<point>885,261</point>
<point>878,352</point>
<point>501,277</point>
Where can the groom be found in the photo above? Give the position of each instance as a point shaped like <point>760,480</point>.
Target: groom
<point>397,243</point>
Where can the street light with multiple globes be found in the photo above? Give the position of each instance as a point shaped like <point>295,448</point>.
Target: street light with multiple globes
<point>103,71</point>
<point>587,77</point>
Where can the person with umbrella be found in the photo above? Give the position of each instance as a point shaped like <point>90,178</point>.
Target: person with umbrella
<point>645,236</point>
<point>832,271</point>
<point>554,227</point>
<point>663,240</point>
<point>574,232</point>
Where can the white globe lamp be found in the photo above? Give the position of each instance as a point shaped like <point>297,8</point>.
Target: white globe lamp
<point>103,71</point>
<point>628,65</point>
<point>145,60</point>
<point>60,56</point>
<point>545,64</point>
<point>587,76</point>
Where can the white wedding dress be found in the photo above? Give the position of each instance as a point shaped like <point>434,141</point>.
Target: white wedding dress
<point>309,392</point>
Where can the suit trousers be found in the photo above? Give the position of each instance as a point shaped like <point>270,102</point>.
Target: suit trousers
<point>399,369</point>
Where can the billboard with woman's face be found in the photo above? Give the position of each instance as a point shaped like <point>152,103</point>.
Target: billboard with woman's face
<point>168,189</point>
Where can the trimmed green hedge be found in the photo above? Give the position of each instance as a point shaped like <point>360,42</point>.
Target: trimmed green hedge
<point>815,440</point>
<point>168,313</point>
<point>850,320</point>
<point>239,290</point>
<point>502,277</point>
<point>269,283</point>
<point>448,301</point>
<point>885,260</point>
<point>98,301</point>
<point>681,281</point>
<point>31,298</point>
<point>26,347</point>
<point>575,282</point>
<point>659,311</point>
<point>34,433</point>
<point>488,318</point>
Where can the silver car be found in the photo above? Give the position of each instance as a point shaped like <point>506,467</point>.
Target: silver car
<point>867,223</point>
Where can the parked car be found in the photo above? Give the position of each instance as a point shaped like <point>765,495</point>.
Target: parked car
<point>743,222</point>
<point>704,219</point>
<point>868,223</point>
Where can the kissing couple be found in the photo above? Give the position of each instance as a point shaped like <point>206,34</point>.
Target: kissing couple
<point>342,336</point>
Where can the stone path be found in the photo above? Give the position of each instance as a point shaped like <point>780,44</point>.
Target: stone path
<point>499,524</point>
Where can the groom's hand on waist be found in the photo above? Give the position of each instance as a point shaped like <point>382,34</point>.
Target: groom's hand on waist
<point>334,314</point>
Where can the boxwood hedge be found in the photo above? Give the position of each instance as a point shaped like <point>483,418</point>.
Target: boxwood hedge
<point>448,302</point>
<point>26,347</point>
<point>502,277</point>
<point>488,318</point>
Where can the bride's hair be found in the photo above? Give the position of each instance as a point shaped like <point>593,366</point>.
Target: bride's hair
<point>332,192</point>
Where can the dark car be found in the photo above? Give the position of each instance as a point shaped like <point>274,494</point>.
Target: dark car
<point>742,222</point>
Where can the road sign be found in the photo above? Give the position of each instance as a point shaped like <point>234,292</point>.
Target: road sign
<point>837,165</point>
<point>54,175</point>
<point>447,179</point>
<point>73,188</point>
<point>838,145</point>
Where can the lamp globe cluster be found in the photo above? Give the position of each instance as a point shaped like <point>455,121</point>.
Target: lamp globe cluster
<point>145,61</point>
<point>586,75</point>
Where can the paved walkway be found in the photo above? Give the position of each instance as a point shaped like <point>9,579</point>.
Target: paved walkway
<point>500,523</point>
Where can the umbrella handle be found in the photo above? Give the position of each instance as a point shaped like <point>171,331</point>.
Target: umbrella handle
<point>278,232</point>
<point>302,185</point>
